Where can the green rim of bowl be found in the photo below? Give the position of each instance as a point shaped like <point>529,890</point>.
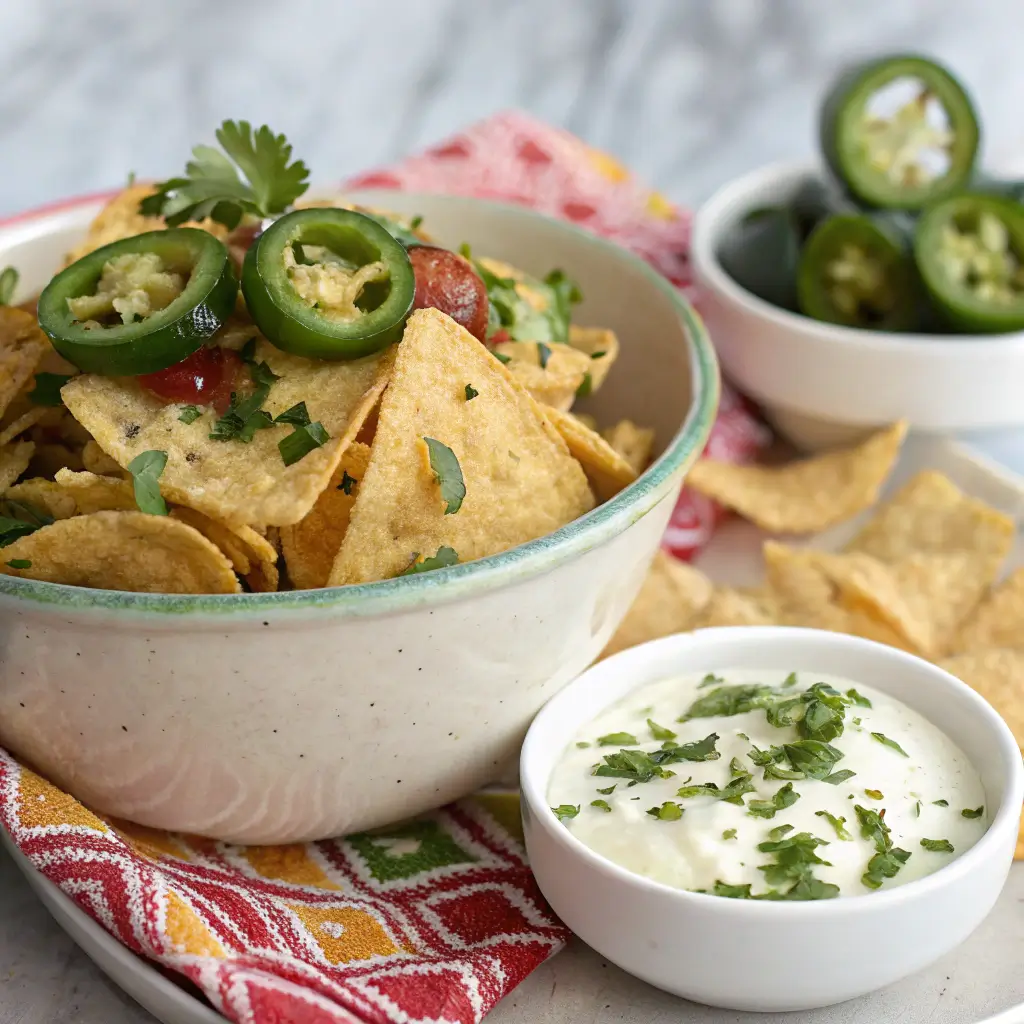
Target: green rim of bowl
<point>405,592</point>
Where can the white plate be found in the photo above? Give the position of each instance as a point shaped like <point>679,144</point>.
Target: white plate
<point>587,988</point>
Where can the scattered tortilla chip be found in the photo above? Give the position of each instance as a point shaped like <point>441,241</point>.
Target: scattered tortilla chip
<point>930,515</point>
<point>22,346</point>
<point>672,597</point>
<point>123,551</point>
<point>600,345</point>
<point>633,443</point>
<point>805,496</point>
<point>96,460</point>
<point>120,218</point>
<point>45,496</point>
<point>733,607</point>
<point>607,471</point>
<point>554,384</point>
<point>310,546</point>
<point>14,460</point>
<point>230,481</point>
<point>24,422</point>
<point>49,458</point>
<point>999,620</point>
<point>94,493</point>
<point>521,482</point>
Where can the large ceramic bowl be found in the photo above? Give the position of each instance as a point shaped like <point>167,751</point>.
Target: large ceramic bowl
<point>269,718</point>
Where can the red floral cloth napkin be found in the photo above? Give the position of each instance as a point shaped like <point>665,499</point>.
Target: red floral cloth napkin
<point>430,922</point>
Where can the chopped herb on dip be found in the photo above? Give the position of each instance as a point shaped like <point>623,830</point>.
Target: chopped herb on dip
<point>937,845</point>
<point>769,764</point>
<point>976,813</point>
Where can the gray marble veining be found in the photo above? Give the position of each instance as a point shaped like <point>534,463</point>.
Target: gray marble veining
<point>688,92</point>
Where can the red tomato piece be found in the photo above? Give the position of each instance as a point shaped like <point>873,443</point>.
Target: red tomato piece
<point>446,281</point>
<point>207,377</point>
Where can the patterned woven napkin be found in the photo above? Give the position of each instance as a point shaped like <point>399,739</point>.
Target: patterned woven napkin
<point>430,922</point>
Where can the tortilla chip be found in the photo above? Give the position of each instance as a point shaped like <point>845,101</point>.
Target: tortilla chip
<point>524,286</point>
<point>805,496</point>
<point>24,422</point>
<point>930,515</point>
<point>732,607</point>
<point>998,675</point>
<point>96,460</point>
<point>554,384</point>
<point>14,460</point>
<point>633,443</point>
<point>120,218</point>
<point>94,493</point>
<point>999,620</point>
<point>600,345</point>
<point>310,547</point>
<point>232,482</point>
<point>22,346</point>
<point>672,597</point>
<point>607,471</point>
<point>123,551</point>
<point>43,496</point>
<point>521,482</point>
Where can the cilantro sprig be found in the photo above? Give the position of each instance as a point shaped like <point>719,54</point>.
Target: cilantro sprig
<point>146,469</point>
<point>213,186</point>
<point>640,766</point>
<point>445,556</point>
<point>888,859</point>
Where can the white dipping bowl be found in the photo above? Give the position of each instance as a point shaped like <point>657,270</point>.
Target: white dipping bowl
<point>274,718</point>
<point>748,955</point>
<point>823,385</point>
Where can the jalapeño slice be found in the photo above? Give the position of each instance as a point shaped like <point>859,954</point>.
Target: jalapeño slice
<point>328,284</point>
<point>145,302</point>
<point>970,252</point>
<point>855,273</point>
<point>899,132</point>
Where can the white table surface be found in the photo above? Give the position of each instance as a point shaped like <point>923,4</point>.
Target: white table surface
<point>688,92</point>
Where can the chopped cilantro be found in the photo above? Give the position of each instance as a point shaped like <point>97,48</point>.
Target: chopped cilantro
<point>602,804</point>
<point>11,529</point>
<point>941,803</point>
<point>710,680</point>
<point>297,415</point>
<point>783,798</point>
<point>777,833</point>
<point>737,768</point>
<point>301,441</point>
<point>347,482</point>
<point>858,699</point>
<point>471,392</point>
<point>608,789</point>
<point>917,809</point>
<point>189,414</point>
<point>668,811</point>
<point>729,833</point>
<point>888,859</point>
<point>582,744</point>
<point>857,721</point>
<point>891,744</point>
<point>841,776</point>
<point>937,845</point>
<point>837,823</point>
<point>795,858</point>
<point>732,793</point>
<point>659,732</point>
<point>502,358</point>
<point>728,700</point>
<point>448,474</point>
<point>598,355</point>
<point>146,469</point>
<point>640,766</point>
<point>543,354</point>
<point>976,813</point>
<point>875,794</point>
<point>814,758</point>
<point>565,811</point>
<point>20,563</point>
<point>445,556</point>
<point>8,283</point>
<point>585,387</point>
<point>732,892</point>
<point>616,739</point>
<point>47,389</point>
<point>246,415</point>
<point>790,680</point>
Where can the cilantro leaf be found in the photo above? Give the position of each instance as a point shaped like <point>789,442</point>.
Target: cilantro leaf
<point>732,892</point>
<point>245,416</point>
<point>543,354</point>
<point>608,789</point>
<point>884,865</point>
<point>564,294</point>
<point>602,805</point>
<point>445,556</point>
<point>729,833</point>
<point>813,758</point>
<point>710,680</point>
<point>47,389</point>
<point>875,794</point>
<point>586,386</point>
<point>20,563</point>
<point>18,520</point>
<point>659,732</point>
<point>836,777</point>
<point>732,793</point>
<point>8,284</point>
<point>935,845</point>
<point>502,358</point>
<point>190,413</point>
<point>941,803</point>
<point>213,188</point>
<point>837,823</point>
<point>856,698</point>
<point>347,482</point>
<point>566,811</point>
<point>891,744</point>
<point>784,797</point>
<point>448,473</point>
<point>697,750</point>
<point>301,441</point>
<point>146,469</point>
<point>471,392</point>
<point>616,739</point>
<point>668,811</point>
<point>728,700</point>
<point>297,415</point>
<point>976,813</point>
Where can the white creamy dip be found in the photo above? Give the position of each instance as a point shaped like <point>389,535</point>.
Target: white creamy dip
<point>660,827</point>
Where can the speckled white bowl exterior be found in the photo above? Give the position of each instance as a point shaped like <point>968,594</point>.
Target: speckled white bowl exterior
<point>271,718</point>
<point>824,385</point>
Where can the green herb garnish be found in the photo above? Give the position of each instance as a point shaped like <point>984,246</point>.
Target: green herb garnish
<point>19,520</point>
<point>640,766</point>
<point>976,813</point>
<point>582,744</point>
<point>448,474</point>
<point>146,469</point>
<point>710,680</point>
<point>608,789</point>
<point>783,798</point>
<point>888,859</point>
<point>212,186</point>
<point>8,284</point>
<point>502,358</point>
<point>347,482</point>
<point>246,415</point>
<point>814,758</point>
<point>790,680</point>
<point>941,803</point>
<point>732,892</point>
<point>731,793</point>
<point>616,739</point>
<point>728,700</point>
<point>836,777</point>
<point>189,414</point>
<point>445,557</point>
<point>729,833</point>
<point>858,699</point>
<point>777,833</point>
<point>937,845</point>
<point>837,823</point>
<point>875,794</point>
<point>659,732</point>
<point>891,744</point>
<point>543,354</point>
<point>301,441</point>
<point>297,415</point>
<point>47,389</point>
<point>602,804</point>
<point>20,563</point>
<point>471,392</point>
<point>668,811</point>
<point>565,811</point>
<point>585,387</point>
<point>795,858</point>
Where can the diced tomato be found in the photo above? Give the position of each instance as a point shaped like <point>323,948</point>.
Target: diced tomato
<point>207,377</point>
<point>446,281</point>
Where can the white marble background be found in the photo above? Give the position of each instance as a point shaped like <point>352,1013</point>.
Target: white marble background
<point>689,92</point>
